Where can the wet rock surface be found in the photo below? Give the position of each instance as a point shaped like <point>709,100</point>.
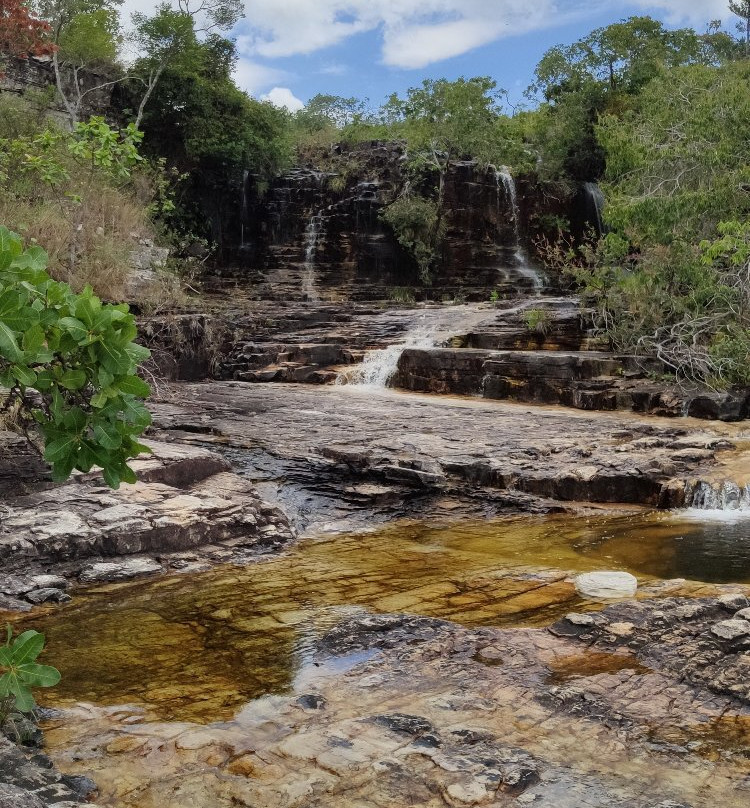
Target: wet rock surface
<point>419,711</point>
<point>328,454</point>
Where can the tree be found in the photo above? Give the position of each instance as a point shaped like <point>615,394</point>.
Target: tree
<point>207,128</point>
<point>162,39</point>
<point>87,36</point>
<point>602,73</point>
<point>22,34</point>
<point>741,8</point>
<point>68,368</point>
<point>325,111</point>
<point>443,121</point>
<point>212,15</point>
<point>677,162</point>
<point>172,34</point>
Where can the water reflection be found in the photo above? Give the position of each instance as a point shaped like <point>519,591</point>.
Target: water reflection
<point>197,647</point>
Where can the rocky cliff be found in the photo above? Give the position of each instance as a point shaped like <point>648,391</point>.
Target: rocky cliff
<point>317,232</point>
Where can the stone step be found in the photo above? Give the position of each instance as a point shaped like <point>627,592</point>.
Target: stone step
<point>586,380</point>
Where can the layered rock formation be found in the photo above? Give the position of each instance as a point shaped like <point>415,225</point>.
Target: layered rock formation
<point>334,456</point>
<point>186,510</point>
<point>317,231</point>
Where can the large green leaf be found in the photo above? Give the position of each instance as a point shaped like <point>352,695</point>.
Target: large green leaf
<point>9,344</point>
<point>74,327</point>
<point>35,675</point>
<point>26,647</point>
<point>134,386</point>
<point>73,379</point>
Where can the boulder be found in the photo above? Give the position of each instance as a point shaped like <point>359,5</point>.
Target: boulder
<point>606,584</point>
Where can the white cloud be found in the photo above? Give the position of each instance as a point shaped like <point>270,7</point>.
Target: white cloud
<point>284,97</point>
<point>254,77</point>
<point>335,69</point>
<point>695,12</point>
<point>415,33</point>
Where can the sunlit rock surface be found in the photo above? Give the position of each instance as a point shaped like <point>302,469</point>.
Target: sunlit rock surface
<point>415,711</point>
<point>311,448</point>
<point>186,499</point>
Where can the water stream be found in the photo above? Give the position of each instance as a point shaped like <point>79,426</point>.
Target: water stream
<point>504,180</point>
<point>202,644</point>
<point>312,235</point>
<point>595,205</point>
<point>171,685</point>
<point>432,326</point>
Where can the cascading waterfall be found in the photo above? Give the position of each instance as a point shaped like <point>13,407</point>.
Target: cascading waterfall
<point>595,204</point>
<point>312,235</point>
<point>243,217</point>
<point>504,180</point>
<point>723,496</point>
<point>380,366</point>
<point>434,327</point>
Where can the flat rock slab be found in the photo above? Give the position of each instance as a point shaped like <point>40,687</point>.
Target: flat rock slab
<point>185,498</point>
<point>324,441</point>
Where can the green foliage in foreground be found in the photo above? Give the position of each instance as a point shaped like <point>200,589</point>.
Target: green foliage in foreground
<point>68,368</point>
<point>19,672</point>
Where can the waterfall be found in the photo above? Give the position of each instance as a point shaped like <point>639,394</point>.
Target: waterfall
<point>434,327</point>
<point>724,496</point>
<point>594,205</point>
<point>380,366</point>
<point>504,179</point>
<point>312,234</point>
<point>243,215</point>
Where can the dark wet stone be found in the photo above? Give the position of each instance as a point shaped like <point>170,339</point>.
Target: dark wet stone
<point>48,595</point>
<point>84,787</point>
<point>311,701</point>
<point>413,725</point>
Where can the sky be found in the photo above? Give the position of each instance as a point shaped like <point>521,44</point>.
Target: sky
<point>290,50</point>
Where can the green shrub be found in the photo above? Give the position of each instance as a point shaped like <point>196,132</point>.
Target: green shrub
<point>19,672</point>
<point>401,294</point>
<point>416,223</point>
<point>538,320</point>
<point>68,368</point>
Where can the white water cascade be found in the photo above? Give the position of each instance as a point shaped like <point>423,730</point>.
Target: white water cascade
<point>243,217</point>
<point>504,180</point>
<point>595,204</point>
<point>312,235</point>
<point>434,326</point>
<point>726,496</point>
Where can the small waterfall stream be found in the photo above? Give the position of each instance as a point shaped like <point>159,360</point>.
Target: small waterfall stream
<point>504,181</point>
<point>312,235</point>
<point>726,496</point>
<point>244,211</point>
<point>433,327</point>
<point>380,366</point>
<point>595,205</point>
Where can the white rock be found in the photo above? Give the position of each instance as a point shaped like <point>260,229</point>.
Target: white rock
<point>120,570</point>
<point>731,629</point>
<point>606,584</point>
